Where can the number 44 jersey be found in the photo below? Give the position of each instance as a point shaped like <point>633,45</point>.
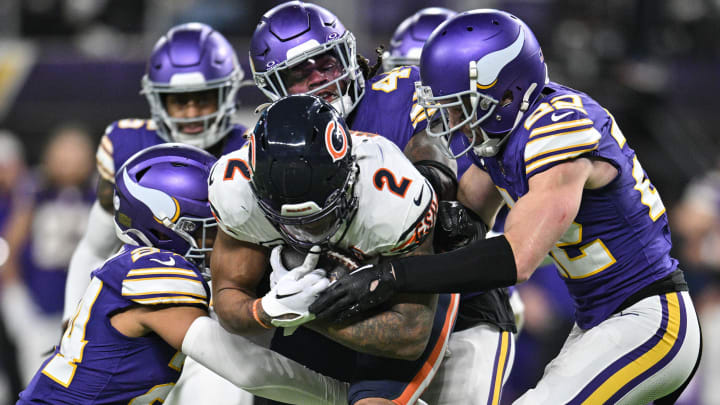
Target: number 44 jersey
<point>95,363</point>
<point>619,242</point>
<point>396,205</point>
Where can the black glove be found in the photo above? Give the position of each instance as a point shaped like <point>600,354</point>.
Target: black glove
<point>441,178</point>
<point>363,289</point>
<point>456,227</point>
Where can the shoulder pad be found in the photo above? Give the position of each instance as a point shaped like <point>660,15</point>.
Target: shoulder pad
<point>558,129</point>
<point>233,202</point>
<point>161,277</point>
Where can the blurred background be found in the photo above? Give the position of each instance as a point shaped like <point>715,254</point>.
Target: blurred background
<point>68,68</point>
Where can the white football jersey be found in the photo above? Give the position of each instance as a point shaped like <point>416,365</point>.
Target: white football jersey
<point>396,205</point>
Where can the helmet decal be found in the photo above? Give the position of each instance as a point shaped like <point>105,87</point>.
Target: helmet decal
<point>251,151</point>
<point>336,140</point>
<point>490,65</point>
<point>161,205</point>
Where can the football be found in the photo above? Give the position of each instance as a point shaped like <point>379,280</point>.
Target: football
<point>336,263</point>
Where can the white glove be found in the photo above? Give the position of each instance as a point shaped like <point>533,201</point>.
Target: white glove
<point>295,291</point>
<point>278,268</point>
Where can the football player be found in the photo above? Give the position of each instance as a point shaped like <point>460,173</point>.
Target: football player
<point>147,306</point>
<point>410,36</point>
<point>306,180</point>
<point>191,82</point>
<point>577,191</point>
<point>301,48</point>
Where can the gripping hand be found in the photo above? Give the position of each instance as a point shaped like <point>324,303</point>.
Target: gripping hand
<point>456,227</point>
<point>288,300</point>
<point>364,288</point>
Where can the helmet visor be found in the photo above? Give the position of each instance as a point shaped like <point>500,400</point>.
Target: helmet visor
<point>314,231</point>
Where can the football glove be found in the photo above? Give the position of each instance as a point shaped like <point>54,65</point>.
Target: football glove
<point>288,301</point>
<point>363,289</point>
<point>456,227</point>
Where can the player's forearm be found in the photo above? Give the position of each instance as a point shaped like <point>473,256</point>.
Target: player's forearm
<point>479,266</point>
<point>234,309</point>
<point>400,332</point>
<point>257,369</point>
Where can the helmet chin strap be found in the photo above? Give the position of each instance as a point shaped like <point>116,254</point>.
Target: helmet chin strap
<point>491,146</point>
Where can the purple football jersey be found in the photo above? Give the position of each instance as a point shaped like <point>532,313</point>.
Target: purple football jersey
<point>389,107</point>
<point>126,137</point>
<point>620,240</point>
<point>94,362</point>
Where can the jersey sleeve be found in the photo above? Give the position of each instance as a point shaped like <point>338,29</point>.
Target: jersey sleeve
<point>159,277</point>
<point>559,136</point>
<point>233,202</point>
<point>104,157</point>
<point>121,140</point>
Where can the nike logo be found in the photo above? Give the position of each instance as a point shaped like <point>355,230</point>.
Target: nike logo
<point>168,262</point>
<point>556,118</point>
<point>418,199</point>
<point>281,296</point>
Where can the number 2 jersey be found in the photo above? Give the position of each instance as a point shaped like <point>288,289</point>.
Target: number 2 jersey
<point>619,242</point>
<point>96,364</point>
<point>396,205</point>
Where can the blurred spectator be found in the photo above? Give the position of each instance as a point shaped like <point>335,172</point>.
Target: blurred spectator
<point>696,223</point>
<point>45,229</point>
<point>12,168</point>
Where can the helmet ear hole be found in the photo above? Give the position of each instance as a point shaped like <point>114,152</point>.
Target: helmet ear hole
<point>507,98</point>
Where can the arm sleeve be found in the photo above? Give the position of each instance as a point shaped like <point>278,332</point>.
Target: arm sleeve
<point>479,266</point>
<point>97,245</point>
<point>258,370</point>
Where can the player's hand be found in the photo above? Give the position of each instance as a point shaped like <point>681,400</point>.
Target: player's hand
<point>456,227</point>
<point>278,268</point>
<point>288,301</point>
<point>364,288</point>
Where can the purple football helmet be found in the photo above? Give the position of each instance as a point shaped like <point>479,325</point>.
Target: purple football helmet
<point>488,65</point>
<point>193,57</point>
<point>295,32</point>
<point>410,36</point>
<point>161,200</point>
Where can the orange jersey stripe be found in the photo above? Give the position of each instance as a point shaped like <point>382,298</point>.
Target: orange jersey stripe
<point>437,351</point>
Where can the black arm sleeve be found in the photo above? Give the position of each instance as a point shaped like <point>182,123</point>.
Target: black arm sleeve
<point>481,265</point>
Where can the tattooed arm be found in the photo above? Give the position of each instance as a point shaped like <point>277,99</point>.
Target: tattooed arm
<point>400,329</point>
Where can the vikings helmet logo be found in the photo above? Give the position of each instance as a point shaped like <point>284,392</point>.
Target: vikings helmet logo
<point>490,65</point>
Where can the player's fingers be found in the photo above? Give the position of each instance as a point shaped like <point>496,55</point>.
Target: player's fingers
<point>321,307</point>
<point>311,260</point>
<point>336,308</point>
<point>348,313</point>
<point>343,310</point>
<point>275,259</point>
<point>319,286</point>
